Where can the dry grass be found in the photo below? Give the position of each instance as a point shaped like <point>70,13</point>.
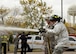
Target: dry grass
<point>11,47</point>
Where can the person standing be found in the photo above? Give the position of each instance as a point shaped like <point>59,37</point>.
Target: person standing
<point>60,33</point>
<point>4,43</point>
<point>23,42</point>
<point>16,41</point>
<point>49,40</point>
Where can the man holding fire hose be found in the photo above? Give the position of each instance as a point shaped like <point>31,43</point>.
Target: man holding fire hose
<point>58,31</point>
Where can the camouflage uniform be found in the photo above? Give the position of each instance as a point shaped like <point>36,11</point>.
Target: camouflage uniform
<point>49,42</point>
<point>16,44</point>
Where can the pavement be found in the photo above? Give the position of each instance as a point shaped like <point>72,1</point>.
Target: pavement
<point>29,53</point>
<point>67,52</point>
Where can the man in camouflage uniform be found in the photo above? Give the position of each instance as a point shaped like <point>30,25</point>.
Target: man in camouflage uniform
<point>49,43</point>
<point>16,41</point>
<point>49,39</point>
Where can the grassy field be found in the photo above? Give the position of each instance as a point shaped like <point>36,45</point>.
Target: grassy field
<point>11,48</point>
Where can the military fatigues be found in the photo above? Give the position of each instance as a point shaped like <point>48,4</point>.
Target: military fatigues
<point>16,44</point>
<point>49,42</point>
<point>4,42</point>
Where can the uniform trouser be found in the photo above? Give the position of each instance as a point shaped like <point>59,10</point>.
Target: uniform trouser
<point>23,48</point>
<point>15,48</point>
<point>46,48</point>
<point>4,48</point>
<point>8,46</point>
<point>59,49</point>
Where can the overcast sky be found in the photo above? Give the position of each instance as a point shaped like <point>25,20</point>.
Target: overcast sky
<point>56,5</point>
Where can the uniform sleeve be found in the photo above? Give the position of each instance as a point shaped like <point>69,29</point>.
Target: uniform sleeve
<point>7,38</point>
<point>56,30</point>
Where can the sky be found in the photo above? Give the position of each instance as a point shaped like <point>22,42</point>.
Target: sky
<point>56,5</point>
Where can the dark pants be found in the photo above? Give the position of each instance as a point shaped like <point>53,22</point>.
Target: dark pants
<point>4,48</point>
<point>23,48</point>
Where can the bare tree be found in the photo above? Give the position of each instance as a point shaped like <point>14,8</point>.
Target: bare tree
<point>16,11</point>
<point>3,12</point>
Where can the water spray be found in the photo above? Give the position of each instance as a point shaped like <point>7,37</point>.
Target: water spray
<point>17,29</point>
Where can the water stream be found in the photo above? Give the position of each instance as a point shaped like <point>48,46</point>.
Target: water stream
<point>17,29</point>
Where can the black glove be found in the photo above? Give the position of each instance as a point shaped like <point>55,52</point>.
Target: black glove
<point>42,30</point>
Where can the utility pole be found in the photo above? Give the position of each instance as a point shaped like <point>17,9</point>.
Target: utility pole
<point>62,8</point>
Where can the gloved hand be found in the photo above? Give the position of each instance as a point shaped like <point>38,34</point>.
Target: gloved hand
<point>42,30</point>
